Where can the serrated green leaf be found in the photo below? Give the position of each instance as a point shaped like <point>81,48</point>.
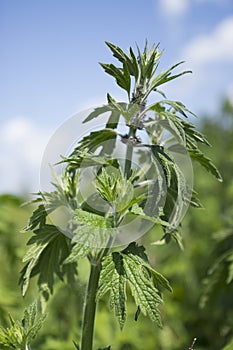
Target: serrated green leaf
<point>131,265</point>
<point>92,232</point>
<point>20,334</point>
<point>98,112</point>
<point>176,105</point>
<point>166,76</point>
<point>159,279</point>
<point>83,159</point>
<point>173,126</point>
<point>137,251</point>
<point>32,323</point>
<point>192,133</point>
<point>49,249</point>
<point>95,139</point>
<point>117,51</point>
<point>113,121</point>
<point>37,218</point>
<point>194,201</point>
<point>177,189</point>
<point>204,161</point>
<point>121,75</point>
<point>130,60</point>
<point>112,278</point>
<point>145,294</point>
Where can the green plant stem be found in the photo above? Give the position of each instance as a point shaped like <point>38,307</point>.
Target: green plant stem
<point>90,308</point>
<point>92,287</point>
<point>129,154</point>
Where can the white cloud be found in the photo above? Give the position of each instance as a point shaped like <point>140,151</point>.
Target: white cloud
<point>177,8</point>
<point>216,46</point>
<point>22,144</point>
<point>174,8</point>
<point>210,57</point>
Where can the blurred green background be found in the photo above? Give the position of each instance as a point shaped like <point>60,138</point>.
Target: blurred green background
<point>201,305</point>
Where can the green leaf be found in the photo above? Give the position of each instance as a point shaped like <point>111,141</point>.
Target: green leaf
<point>204,161</point>
<point>95,139</point>
<point>113,120</point>
<point>117,52</point>
<point>192,133</point>
<point>138,212</point>
<point>83,159</point>
<point>20,334</point>
<point>31,322</point>
<point>92,232</point>
<point>177,189</point>
<point>97,112</point>
<point>176,105</point>
<point>176,235</point>
<point>130,60</point>
<point>194,201</point>
<point>131,266</point>
<point>159,280</point>
<point>173,126</point>
<point>37,218</point>
<point>166,76</point>
<point>112,279</point>
<point>48,250</point>
<point>117,190</point>
<point>112,107</point>
<point>145,293</point>
<point>121,75</point>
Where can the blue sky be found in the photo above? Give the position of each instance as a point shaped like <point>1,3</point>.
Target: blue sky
<point>49,64</point>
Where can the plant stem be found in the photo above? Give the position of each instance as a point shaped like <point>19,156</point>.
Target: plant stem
<point>90,308</point>
<point>129,154</point>
<point>90,298</point>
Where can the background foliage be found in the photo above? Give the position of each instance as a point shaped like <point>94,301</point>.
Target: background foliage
<point>201,276</point>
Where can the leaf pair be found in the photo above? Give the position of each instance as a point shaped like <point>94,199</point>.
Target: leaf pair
<point>131,267</point>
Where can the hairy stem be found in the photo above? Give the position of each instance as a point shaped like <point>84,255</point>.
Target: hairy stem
<point>90,308</point>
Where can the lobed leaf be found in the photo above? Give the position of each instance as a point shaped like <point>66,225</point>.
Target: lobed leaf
<point>131,266</point>
<point>37,218</point>
<point>164,77</point>
<point>204,161</point>
<point>20,334</point>
<point>49,249</point>
<point>121,75</point>
<point>145,294</point>
<point>112,279</point>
